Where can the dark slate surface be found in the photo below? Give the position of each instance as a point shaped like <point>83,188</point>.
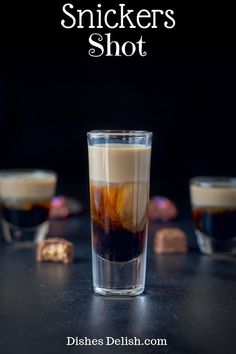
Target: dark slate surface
<point>189,300</point>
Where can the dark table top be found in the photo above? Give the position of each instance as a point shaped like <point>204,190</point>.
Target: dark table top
<point>189,301</point>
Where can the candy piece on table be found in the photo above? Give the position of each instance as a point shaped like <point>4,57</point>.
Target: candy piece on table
<point>63,207</point>
<point>56,250</point>
<point>170,240</point>
<point>162,209</point>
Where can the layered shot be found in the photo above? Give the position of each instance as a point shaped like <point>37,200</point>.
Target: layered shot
<point>25,197</point>
<point>119,190</point>
<point>213,202</point>
<point>119,195</point>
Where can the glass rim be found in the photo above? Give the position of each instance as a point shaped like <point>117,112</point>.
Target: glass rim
<point>18,171</point>
<point>213,181</point>
<point>119,132</point>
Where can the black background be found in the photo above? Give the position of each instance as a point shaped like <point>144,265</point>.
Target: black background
<point>52,92</point>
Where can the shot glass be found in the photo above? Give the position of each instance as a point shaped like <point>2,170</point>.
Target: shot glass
<point>119,170</point>
<point>213,202</point>
<point>25,197</point>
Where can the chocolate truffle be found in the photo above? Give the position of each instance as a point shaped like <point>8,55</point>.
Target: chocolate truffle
<point>170,240</point>
<point>55,250</point>
<point>63,207</point>
<point>162,209</point>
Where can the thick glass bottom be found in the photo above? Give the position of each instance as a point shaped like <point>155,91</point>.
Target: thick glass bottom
<point>211,246</point>
<point>119,292</point>
<point>119,278</point>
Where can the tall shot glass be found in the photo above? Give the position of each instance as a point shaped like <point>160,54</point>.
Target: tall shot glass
<point>119,171</point>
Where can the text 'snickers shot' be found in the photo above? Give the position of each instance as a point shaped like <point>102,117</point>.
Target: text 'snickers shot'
<point>116,19</point>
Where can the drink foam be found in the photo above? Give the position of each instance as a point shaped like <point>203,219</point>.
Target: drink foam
<point>118,163</point>
<point>37,185</point>
<point>203,196</point>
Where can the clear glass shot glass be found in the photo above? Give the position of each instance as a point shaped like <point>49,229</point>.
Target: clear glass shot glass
<point>119,171</point>
<point>25,197</point>
<point>213,202</point>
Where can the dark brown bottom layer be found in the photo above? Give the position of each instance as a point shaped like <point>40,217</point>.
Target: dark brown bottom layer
<point>21,218</point>
<point>219,224</point>
<point>118,245</point>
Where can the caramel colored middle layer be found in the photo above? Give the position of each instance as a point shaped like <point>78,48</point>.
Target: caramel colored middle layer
<point>115,206</point>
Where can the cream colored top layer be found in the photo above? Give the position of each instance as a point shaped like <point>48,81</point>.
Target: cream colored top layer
<point>213,197</point>
<point>38,186</point>
<point>117,163</point>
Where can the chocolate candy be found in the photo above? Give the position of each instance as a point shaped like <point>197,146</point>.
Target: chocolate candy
<point>170,240</point>
<point>162,209</point>
<point>55,250</point>
<point>63,207</point>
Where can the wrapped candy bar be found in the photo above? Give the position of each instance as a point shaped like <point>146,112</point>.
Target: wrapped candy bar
<point>170,240</point>
<point>55,250</point>
<point>162,209</point>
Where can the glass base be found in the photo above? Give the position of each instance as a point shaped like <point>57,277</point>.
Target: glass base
<point>119,278</point>
<point>117,292</point>
<point>211,246</point>
<point>13,233</point>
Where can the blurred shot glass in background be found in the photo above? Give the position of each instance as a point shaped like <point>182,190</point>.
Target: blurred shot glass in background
<point>213,202</point>
<point>25,197</point>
